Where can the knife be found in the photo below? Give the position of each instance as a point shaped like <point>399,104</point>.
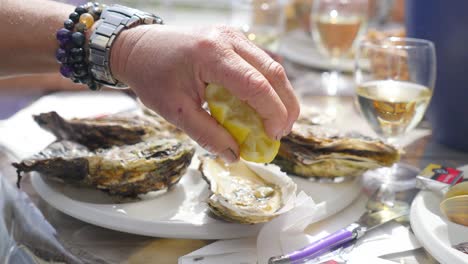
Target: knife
<point>463,247</point>
<point>356,230</point>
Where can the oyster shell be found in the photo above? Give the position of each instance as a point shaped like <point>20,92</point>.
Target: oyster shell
<point>107,131</point>
<point>456,209</point>
<point>455,203</point>
<point>128,170</point>
<point>316,151</point>
<point>246,193</point>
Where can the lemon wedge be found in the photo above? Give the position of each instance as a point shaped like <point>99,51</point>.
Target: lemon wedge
<point>243,123</point>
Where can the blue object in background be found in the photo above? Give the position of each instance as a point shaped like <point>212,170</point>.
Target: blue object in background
<point>12,103</point>
<point>446,24</point>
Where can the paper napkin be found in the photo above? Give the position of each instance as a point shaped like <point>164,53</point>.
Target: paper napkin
<point>299,227</point>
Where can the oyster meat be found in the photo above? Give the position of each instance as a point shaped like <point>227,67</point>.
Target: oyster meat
<point>107,131</point>
<point>129,170</point>
<point>246,193</point>
<point>316,151</point>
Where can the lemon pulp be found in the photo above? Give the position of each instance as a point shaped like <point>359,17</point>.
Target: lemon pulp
<point>243,123</point>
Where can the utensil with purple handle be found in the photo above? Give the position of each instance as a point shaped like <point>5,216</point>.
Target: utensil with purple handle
<point>354,231</point>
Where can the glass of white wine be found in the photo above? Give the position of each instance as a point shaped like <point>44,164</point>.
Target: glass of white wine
<point>261,21</point>
<point>336,26</point>
<point>395,78</point>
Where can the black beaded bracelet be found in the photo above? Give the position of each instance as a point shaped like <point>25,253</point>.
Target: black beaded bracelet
<point>73,52</point>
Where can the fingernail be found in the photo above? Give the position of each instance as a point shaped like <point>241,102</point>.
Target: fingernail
<point>229,155</point>
<point>208,148</point>
<point>278,137</point>
<point>289,130</point>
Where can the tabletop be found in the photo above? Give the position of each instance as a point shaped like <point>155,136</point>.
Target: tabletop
<point>98,245</point>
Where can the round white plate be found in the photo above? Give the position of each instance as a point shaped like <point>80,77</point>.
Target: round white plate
<point>434,231</point>
<point>299,47</point>
<point>178,213</point>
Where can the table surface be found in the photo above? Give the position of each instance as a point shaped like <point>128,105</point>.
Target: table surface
<point>95,242</point>
<point>98,243</point>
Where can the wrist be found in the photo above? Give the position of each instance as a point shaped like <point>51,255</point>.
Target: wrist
<point>122,50</point>
<point>73,51</point>
<point>96,54</point>
<point>115,21</point>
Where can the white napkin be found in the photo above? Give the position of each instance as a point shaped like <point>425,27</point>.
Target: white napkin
<point>293,230</point>
<point>390,238</point>
<point>232,251</point>
<point>268,242</point>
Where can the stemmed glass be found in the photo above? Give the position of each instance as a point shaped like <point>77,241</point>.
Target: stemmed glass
<point>262,21</point>
<point>395,79</point>
<point>336,25</point>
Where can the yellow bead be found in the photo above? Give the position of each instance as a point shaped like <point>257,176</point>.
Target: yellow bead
<point>87,19</point>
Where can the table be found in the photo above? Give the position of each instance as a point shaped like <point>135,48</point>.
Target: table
<point>97,244</point>
<point>107,246</point>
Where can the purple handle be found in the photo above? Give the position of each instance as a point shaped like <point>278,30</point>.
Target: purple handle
<point>323,245</point>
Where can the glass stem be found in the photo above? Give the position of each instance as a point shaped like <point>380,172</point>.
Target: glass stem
<point>333,85</point>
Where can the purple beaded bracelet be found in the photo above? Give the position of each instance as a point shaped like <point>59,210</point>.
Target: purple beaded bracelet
<point>73,51</point>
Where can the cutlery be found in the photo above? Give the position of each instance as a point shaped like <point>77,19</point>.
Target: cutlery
<point>463,247</point>
<point>385,204</point>
<point>366,222</point>
<point>413,256</point>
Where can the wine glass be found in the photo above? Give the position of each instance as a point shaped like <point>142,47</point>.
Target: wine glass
<point>261,21</point>
<point>336,25</point>
<point>395,79</point>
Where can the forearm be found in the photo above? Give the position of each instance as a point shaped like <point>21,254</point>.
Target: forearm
<point>38,82</point>
<point>27,30</point>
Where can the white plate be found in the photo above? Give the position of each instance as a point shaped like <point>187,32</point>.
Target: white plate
<point>179,213</point>
<point>434,231</point>
<point>299,47</point>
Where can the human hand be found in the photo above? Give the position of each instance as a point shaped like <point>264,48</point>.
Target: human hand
<point>169,68</point>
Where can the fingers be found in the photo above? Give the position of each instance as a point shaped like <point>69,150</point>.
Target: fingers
<point>202,128</point>
<point>249,85</point>
<point>274,73</point>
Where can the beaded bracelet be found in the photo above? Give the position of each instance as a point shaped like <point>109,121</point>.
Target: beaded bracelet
<point>73,51</point>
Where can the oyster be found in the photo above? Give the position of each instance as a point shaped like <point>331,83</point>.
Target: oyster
<point>107,131</point>
<point>316,151</point>
<point>128,170</point>
<point>246,193</point>
<point>456,209</point>
<point>455,203</point>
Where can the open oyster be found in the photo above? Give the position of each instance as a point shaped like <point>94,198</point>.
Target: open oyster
<point>316,151</point>
<point>246,193</point>
<point>455,204</point>
<point>126,170</point>
<point>107,131</point>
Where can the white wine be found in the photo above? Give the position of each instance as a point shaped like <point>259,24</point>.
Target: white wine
<point>336,34</point>
<point>393,107</point>
<point>264,37</point>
